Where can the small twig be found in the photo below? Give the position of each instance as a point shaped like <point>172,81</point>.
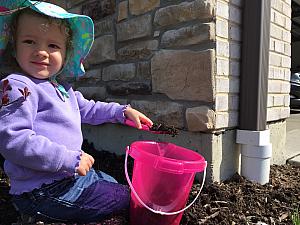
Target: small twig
<point>283,216</point>
<point>221,202</point>
<point>203,221</point>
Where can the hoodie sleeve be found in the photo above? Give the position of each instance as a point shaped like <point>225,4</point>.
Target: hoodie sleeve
<point>19,143</point>
<point>99,112</point>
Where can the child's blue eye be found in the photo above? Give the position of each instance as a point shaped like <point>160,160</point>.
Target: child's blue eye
<point>54,46</point>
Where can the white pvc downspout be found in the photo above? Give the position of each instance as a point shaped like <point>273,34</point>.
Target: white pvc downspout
<point>256,152</point>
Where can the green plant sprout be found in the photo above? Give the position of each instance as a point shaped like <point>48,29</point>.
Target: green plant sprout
<point>296,217</point>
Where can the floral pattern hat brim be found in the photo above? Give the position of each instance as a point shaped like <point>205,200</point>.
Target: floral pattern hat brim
<point>82,30</point>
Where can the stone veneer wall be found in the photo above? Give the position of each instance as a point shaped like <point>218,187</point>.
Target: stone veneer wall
<point>179,62</point>
<point>157,55</point>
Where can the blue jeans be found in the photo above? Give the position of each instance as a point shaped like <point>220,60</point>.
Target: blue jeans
<point>79,199</point>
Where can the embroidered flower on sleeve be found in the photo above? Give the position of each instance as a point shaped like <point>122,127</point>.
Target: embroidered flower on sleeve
<point>5,101</point>
<point>25,92</point>
<point>5,88</point>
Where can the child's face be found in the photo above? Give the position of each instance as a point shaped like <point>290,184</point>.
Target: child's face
<point>40,46</point>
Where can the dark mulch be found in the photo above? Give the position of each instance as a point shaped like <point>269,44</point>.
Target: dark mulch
<point>163,128</point>
<point>235,201</point>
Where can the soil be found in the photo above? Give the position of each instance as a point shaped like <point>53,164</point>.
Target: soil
<point>235,201</point>
<point>163,128</point>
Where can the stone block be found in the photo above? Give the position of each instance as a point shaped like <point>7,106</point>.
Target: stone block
<point>189,35</point>
<point>123,11</point>
<point>95,93</point>
<point>70,4</point>
<point>170,113</point>
<point>76,10</point>
<point>143,71</point>
<point>103,27</point>
<point>60,3</point>
<point>124,72</point>
<point>136,27</point>
<point>186,11</point>
<point>121,101</point>
<point>103,50</point>
<point>184,74</point>
<point>200,118</point>
<point>138,50</point>
<point>126,88</point>
<point>138,7</point>
<point>95,74</point>
<point>99,9</point>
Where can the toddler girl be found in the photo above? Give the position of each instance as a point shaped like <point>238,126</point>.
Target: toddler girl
<point>51,177</point>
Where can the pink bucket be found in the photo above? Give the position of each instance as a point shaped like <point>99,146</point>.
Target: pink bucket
<point>162,178</point>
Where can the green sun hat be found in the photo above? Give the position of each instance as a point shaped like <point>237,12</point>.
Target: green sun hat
<point>82,30</point>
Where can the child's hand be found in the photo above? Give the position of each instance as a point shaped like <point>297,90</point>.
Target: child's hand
<point>85,164</point>
<point>137,117</point>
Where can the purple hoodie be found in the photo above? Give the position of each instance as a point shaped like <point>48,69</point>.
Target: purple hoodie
<point>41,137</point>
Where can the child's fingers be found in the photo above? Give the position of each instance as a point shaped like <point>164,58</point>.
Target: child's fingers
<point>138,118</point>
<point>137,122</point>
<point>142,119</point>
<point>145,120</point>
<point>85,164</point>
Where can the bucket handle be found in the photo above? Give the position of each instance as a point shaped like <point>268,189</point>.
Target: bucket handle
<point>149,208</point>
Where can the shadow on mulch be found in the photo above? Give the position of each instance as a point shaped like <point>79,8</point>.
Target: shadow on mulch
<point>235,201</point>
